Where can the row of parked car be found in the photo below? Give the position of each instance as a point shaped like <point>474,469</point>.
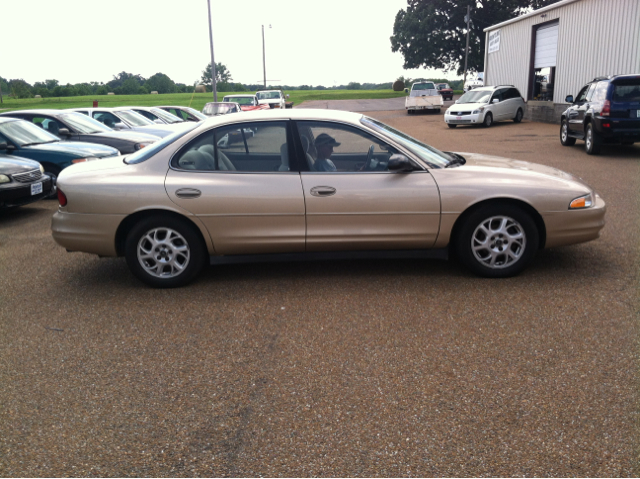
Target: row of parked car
<point>36,145</point>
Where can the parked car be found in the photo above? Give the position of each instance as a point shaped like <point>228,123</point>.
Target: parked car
<point>123,118</point>
<point>246,102</point>
<point>272,98</point>
<point>216,108</point>
<point>313,183</point>
<point>445,90</point>
<point>423,96</point>
<point>24,139</point>
<point>606,110</point>
<point>185,112</point>
<point>157,115</point>
<point>486,105</point>
<point>22,181</point>
<point>72,126</point>
<point>474,83</point>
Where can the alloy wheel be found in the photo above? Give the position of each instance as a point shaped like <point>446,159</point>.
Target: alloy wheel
<point>498,242</point>
<point>163,252</point>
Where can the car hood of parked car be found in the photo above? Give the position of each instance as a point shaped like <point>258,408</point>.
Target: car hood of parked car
<point>131,135</point>
<point>11,165</point>
<point>467,106</point>
<point>77,148</point>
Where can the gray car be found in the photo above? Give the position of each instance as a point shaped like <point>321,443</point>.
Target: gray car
<point>185,112</point>
<point>69,125</point>
<point>157,115</point>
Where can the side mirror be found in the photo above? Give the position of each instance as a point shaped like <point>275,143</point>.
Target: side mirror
<point>495,100</point>
<point>158,121</point>
<point>399,163</point>
<point>569,99</point>
<point>64,132</point>
<point>119,126</point>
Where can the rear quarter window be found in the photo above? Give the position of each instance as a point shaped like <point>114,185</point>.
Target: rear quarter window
<point>629,91</point>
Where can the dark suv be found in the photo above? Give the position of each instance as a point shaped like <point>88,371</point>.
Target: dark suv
<point>606,110</point>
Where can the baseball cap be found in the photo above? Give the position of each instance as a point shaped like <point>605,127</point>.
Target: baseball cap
<point>324,139</point>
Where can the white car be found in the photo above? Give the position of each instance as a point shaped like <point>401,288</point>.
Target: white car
<point>486,105</point>
<point>273,98</point>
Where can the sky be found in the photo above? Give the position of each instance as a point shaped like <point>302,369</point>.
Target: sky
<point>320,42</point>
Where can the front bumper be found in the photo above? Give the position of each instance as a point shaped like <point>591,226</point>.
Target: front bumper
<point>467,119</point>
<point>12,195</point>
<point>575,226</point>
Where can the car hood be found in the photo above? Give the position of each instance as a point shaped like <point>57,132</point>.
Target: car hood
<point>133,136</point>
<point>163,130</point>
<point>77,148</point>
<point>467,106</point>
<point>498,162</point>
<point>14,165</point>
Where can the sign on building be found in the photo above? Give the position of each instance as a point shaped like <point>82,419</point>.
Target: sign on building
<point>494,41</point>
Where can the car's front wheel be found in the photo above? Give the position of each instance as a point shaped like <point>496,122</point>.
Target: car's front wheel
<point>488,120</point>
<point>518,117</point>
<point>592,141</point>
<point>164,251</point>
<point>497,241</point>
<point>565,139</point>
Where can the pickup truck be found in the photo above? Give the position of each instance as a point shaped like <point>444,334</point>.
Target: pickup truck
<point>272,98</point>
<point>423,96</point>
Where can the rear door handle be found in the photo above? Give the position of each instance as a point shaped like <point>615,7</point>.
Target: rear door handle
<point>188,193</point>
<point>323,191</point>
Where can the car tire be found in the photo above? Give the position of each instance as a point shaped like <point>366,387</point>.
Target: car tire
<point>518,117</point>
<point>497,241</point>
<point>565,139</point>
<point>488,120</point>
<point>164,251</point>
<point>451,126</point>
<point>592,141</point>
<point>53,172</point>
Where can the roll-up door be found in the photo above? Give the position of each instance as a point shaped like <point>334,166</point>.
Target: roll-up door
<point>546,46</point>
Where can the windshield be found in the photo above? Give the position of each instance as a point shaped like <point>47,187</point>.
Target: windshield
<point>166,116</point>
<point>443,86</point>
<point>241,100</point>
<point>195,113</point>
<point>213,109</point>
<point>135,119</point>
<point>147,152</point>
<point>434,158</point>
<point>24,133</point>
<point>268,95</point>
<point>475,96</point>
<point>423,86</point>
<point>83,124</point>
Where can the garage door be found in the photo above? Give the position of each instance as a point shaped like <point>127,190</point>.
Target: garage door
<point>546,46</point>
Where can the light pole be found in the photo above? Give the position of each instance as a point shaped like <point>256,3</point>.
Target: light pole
<point>213,60</point>
<point>264,63</point>
<point>466,51</point>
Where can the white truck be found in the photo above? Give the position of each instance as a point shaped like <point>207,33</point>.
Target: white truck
<point>273,98</point>
<point>423,96</point>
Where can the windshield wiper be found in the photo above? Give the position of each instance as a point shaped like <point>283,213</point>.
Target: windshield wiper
<point>455,159</point>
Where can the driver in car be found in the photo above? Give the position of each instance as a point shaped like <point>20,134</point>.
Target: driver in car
<point>324,146</point>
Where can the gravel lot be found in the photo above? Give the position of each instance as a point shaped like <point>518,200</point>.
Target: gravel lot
<point>353,368</point>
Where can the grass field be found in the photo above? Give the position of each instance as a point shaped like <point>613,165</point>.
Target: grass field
<point>196,100</point>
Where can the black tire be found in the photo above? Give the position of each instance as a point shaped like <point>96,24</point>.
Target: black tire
<point>500,242</point>
<point>518,117</point>
<point>172,266</point>
<point>592,140</point>
<point>488,120</point>
<point>565,139</point>
<point>53,172</point>
<point>409,112</point>
<point>451,126</point>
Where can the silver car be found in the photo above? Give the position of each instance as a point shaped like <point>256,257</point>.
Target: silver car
<point>486,105</point>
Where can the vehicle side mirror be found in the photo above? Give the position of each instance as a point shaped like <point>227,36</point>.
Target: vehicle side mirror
<point>119,126</point>
<point>495,100</point>
<point>64,132</point>
<point>158,121</point>
<point>399,163</point>
<point>569,99</point>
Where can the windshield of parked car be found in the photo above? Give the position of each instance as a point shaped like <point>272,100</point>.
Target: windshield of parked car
<point>195,113</point>
<point>166,116</point>
<point>241,100</point>
<point>434,158</point>
<point>25,133</point>
<point>83,124</point>
<point>268,95</point>
<point>443,86</point>
<point>136,119</point>
<point>423,86</point>
<point>213,109</point>
<point>475,96</point>
<point>148,151</point>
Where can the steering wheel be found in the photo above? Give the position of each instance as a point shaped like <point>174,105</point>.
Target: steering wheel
<point>368,162</point>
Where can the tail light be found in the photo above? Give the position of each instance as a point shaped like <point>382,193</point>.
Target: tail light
<point>62,198</point>
<point>606,108</point>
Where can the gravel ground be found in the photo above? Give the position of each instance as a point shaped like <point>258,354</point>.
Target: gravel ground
<point>352,368</point>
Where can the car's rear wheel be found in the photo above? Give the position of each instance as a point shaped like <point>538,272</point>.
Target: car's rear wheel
<point>451,126</point>
<point>565,139</point>
<point>164,251</point>
<point>488,120</point>
<point>518,117</point>
<point>497,241</point>
<point>592,141</point>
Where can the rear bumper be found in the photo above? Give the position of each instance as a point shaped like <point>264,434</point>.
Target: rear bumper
<point>575,226</point>
<point>86,232</point>
<point>620,129</point>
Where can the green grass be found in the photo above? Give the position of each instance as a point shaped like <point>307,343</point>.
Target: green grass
<point>196,100</point>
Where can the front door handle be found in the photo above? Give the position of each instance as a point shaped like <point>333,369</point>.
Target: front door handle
<point>188,193</point>
<point>323,191</point>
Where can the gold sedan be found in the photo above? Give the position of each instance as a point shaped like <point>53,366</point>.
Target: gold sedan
<point>314,182</point>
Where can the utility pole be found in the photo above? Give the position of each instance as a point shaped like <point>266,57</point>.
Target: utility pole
<point>264,63</point>
<point>466,52</point>
<point>0,92</point>
<point>213,60</point>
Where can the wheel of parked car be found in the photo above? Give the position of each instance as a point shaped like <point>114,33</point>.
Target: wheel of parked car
<point>497,241</point>
<point>565,139</point>
<point>518,117</point>
<point>488,120</point>
<point>592,141</point>
<point>451,126</point>
<point>164,251</point>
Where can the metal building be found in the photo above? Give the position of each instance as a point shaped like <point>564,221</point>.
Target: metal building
<point>552,52</point>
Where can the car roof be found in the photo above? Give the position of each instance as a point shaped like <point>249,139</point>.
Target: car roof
<point>243,95</point>
<point>287,114</point>
<point>42,111</point>
<point>7,119</point>
<point>615,77</point>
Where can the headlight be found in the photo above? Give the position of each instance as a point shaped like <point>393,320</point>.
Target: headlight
<point>5,179</point>
<point>82,160</point>
<point>42,169</point>
<point>139,146</point>
<point>585,201</point>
